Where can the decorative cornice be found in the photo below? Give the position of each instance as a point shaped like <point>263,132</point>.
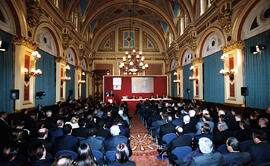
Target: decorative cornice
<point>25,42</point>
<point>225,17</point>
<point>33,12</point>
<point>60,60</point>
<point>233,45</point>
<point>197,61</point>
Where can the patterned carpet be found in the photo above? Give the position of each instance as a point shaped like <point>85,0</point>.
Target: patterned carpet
<point>144,150</point>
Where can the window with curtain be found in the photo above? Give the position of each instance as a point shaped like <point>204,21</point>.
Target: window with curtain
<point>257,72</point>
<point>6,73</point>
<point>46,81</point>
<point>213,81</point>
<point>188,84</point>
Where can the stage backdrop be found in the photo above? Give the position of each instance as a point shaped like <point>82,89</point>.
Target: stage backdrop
<point>123,86</point>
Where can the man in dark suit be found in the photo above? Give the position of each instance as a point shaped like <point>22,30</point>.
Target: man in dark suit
<point>38,155</point>
<point>67,141</point>
<point>93,142</point>
<point>179,141</point>
<point>223,134</point>
<point>56,132</point>
<point>112,142</point>
<point>260,151</point>
<point>177,121</point>
<point>4,127</point>
<point>205,156</point>
<point>235,157</point>
<point>188,127</point>
<point>42,136</point>
<point>101,130</point>
<point>166,128</point>
<point>82,131</point>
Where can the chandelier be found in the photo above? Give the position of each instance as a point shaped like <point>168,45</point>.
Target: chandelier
<point>133,61</point>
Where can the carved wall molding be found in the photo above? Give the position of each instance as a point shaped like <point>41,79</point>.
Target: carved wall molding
<point>33,12</point>
<point>225,17</point>
<point>60,60</point>
<point>197,61</point>
<point>233,45</point>
<point>25,42</point>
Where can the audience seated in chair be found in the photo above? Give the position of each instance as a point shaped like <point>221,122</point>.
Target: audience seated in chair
<point>122,156</point>
<point>85,156</point>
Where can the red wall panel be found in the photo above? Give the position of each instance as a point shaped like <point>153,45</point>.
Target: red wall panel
<point>160,87</point>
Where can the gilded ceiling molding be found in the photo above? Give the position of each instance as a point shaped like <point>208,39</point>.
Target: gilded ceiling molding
<point>33,12</point>
<point>233,45</point>
<point>225,17</point>
<point>193,40</point>
<point>66,38</point>
<point>25,42</point>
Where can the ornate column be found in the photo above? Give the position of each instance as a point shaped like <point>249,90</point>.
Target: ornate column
<point>233,72</point>
<point>78,78</point>
<point>24,59</point>
<point>180,78</point>
<point>197,78</point>
<point>60,89</point>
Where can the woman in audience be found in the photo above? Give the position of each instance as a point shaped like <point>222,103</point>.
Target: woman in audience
<point>122,156</point>
<point>85,156</point>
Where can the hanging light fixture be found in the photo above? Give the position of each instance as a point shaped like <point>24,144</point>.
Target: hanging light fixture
<point>133,61</point>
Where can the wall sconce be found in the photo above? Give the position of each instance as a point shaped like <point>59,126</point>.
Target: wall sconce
<point>67,67</point>
<point>257,49</point>
<point>3,46</point>
<point>82,82</point>
<point>176,81</point>
<point>226,72</point>
<point>83,73</point>
<point>175,73</point>
<point>193,78</point>
<point>66,79</point>
<point>224,56</point>
<point>32,72</point>
<point>191,68</point>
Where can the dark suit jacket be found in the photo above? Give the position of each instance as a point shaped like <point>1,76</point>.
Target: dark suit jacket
<point>112,142</point>
<point>94,143</point>
<point>181,140</point>
<point>236,158</point>
<point>204,159</point>
<point>177,122</point>
<point>103,133</point>
<point>166,128</point>
<point>260,152</point>
<point>115,163</point>
<point>221,137</point>
<point>189,128</point>
<point>80,132</point>
<point>55,132</point>
<point>66,142</point>
<point>40,163</point>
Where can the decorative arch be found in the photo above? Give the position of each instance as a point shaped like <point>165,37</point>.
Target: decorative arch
<point>173,65</point>
<point>71,56</point>
<point>186,57</point>
<point>45,29</point>
<point>46,41</point>
<point>256,21</point>
<point>205,44</point>
<point>212,44</point>
<point>7,22</point>
<point>84,64</point>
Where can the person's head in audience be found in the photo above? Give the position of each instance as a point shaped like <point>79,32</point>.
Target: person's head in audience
<point>205,145</point>
<point>263,122</point>
<point>233,144</point>
<point>16,135</point>
<point>121,111</point>
<point>63,160</point>
<point>206,117</point>
<point>9,152</point>
<point>205,128</point>
<point>82,123</point>
<point>254,115</point>
<point>177,115</point>
<point>222,126</point>
<point>60,123</point>
<point>268,110</point>
<point>186,119</point>
<point>3,115</point>
<point>122,153</point>
<point>37,151</point>
<point>179,130</point>
<point>85,156</point>
<point>244,124</point>
<point>259,136</point>
<point>67,129</point>
<point>169,119</point>
<point>48,113</point>
<point>238,117</point>
<point>222,118</point>
<point>221,112</point>
<point>205,111</point>
<point>74,119</point>
<point>42,133</point>
<point>115,130</point>
<point>192,113</point>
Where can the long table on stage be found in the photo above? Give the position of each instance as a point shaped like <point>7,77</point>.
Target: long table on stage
<point>133,102</point>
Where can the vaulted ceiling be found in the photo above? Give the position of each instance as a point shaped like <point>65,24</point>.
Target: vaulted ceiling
<point>161,15</point>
